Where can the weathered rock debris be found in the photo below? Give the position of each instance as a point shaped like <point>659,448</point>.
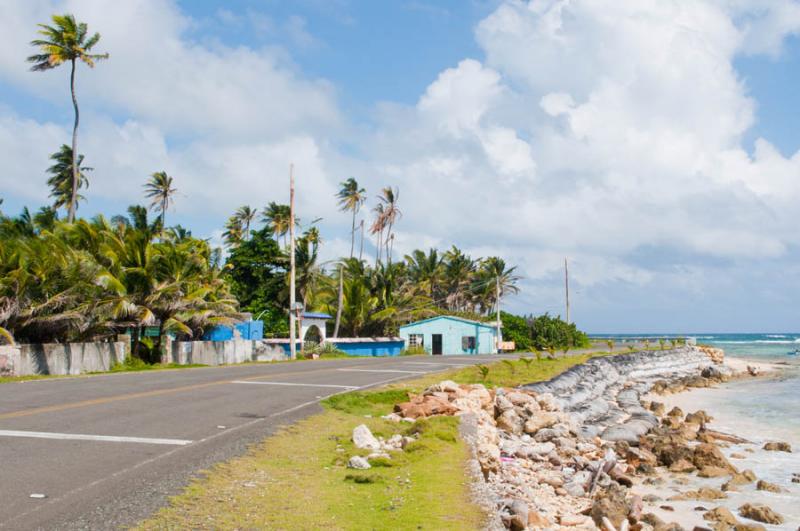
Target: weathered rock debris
<point>565,453</point>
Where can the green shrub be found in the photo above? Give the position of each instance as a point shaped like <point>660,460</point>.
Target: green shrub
<point>414,351</point>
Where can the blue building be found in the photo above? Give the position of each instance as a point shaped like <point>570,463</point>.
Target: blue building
<point>251,330</point>
<point>446,334</point>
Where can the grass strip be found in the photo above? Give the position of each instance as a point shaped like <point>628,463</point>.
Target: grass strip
<point>297,479</point>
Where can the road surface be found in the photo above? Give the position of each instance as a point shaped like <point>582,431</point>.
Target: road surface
<point>106,451</point>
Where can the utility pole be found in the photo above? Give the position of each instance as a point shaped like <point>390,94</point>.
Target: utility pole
<point>339,304</point>
<point>361,252</point>
<point>292,301</point>
<point>566,286</point>
<point>499,331</point>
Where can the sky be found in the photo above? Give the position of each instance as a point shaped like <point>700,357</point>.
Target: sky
<point>653,143</point>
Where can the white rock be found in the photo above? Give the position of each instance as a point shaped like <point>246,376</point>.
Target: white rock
<point>364,439</point>
<point>359,463</point>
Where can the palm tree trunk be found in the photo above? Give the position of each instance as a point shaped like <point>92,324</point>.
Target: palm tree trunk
<point>339,304</point>
<point>361,252</point>
<point>379,248</point>
<point>353,235</point>
<point>163,212</point>
<point>74,196</point>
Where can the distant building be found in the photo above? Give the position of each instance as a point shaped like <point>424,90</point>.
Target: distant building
<point>446,334</point>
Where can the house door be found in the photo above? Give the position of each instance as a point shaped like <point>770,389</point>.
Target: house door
<point>436,344</point>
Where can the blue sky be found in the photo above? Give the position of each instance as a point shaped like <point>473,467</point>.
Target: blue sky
<point>652,144</point>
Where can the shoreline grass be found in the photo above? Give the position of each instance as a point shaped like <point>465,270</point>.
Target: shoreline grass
<point>297,479</point>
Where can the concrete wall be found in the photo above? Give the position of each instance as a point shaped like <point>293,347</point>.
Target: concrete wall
<point>60,358</point>
<point>221,352</point>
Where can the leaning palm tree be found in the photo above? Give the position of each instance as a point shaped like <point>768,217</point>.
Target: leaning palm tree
<point>245,215</point>
<point>61,179</point>
<point>389,197</point>
<point>351,197</point>
<point>493,277</point>
<point>66,41</point>
<point>159,189</point>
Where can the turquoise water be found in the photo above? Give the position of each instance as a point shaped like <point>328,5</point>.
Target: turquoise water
<point>773,346</point>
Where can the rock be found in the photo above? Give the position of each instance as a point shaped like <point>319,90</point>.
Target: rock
<point>547,402</point>
<point>445,386</point>
<point>710,455</point>
<point>675,412</point>
<point>753,371</point>
<point>767,486</point>
<point>488,457</point>
<point>610,503</point>
<point>736,455</point>
<point>520,399</point>
<point>658,408</point>
<point>574,520</point>
<point>742,478</point>
<point>359,463</point>
<point>502,404</point>
<point>795,478</point>
<point>637,456</point>
<point>749,527</point>
<point>537,521</point>
<point>722,515</point>
<point>425,406</point>
<point>363,438</point>
<point>519,514</point>
<point>698,417</point>
<point>713,472</point>
<point>703,493</point>
<point>651,498</point>
<point>682,466</point>
<point>668,453</point>
<point>509,421</point>
<point>760,513</point>
<point>540,420</point>
<point>778,446</point>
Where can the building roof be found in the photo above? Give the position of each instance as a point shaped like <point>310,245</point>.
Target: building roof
<point>316,315</point>
<point>452,318</point>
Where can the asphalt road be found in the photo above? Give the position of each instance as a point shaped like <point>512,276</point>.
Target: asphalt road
<point>106,451</point>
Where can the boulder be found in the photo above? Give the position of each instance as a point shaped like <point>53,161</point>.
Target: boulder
<point>713,472</point>
<point>359,463</point>
<point>682,466</point>
<point>540,420</point>
<point>675,412</point>
<point>509,421</point>
<point>698,417</point>
<point>778,446</point>
<point>703,493</point>
<point>760,513</point>
<point>425,406</point>
<point>363,438</point>
<point>709,455</point>
<point>722,515</point>
<point>767,486</point>
<point>519,399</point>
<point>610,503</point>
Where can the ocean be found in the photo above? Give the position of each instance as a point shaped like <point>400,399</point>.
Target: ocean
<point>760,410</point>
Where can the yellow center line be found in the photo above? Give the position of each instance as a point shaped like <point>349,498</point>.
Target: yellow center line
<point>143,394</point>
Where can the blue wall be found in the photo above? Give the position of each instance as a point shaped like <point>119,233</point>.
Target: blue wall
<point>252,330</point>
<point>370,348</point>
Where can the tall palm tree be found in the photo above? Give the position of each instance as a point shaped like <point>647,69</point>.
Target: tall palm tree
<point>245,215</point>
<point>378,226</point>
<point>389,197</point>
<point>493,274</point>
<point>233,231</point>
<point>425,270</point>
<point>61,179</point>
<point>277,217</point>
<point>351,197</point>
<point>159,189</point>
<point>459,270</point>
<point>67,41</point>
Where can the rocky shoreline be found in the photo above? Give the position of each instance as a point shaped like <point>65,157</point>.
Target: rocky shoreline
<point>580,450</point>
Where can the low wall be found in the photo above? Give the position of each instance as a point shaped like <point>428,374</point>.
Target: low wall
<point>221,352</point>
<point>60,358</point>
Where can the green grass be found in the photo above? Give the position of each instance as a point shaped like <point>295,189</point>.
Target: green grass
<point>298,478</point>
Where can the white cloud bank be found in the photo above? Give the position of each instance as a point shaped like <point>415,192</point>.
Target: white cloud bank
<point>602,130</point>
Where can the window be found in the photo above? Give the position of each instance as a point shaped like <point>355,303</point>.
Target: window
<point>416,340</point>
<point>468,342</point>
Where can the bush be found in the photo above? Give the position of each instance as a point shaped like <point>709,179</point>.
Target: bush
<point>414,351</point>
<point>553,332</point>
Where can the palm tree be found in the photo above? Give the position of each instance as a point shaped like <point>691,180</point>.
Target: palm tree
<point>159,189</point>
<point>233,231</point>
<point>425,270</point>
<point>277,217</point>
<point>245,215</point>
<point>61,179</point>
<point>459,270</point>
<point>392,214</point>
<point>66,41</point>
<point>351,197</point>
<point>493,274</point>
<point>378,226</point>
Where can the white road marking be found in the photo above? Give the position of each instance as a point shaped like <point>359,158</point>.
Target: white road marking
<point>83,437</point>
<point>295,384</point>
<point>443,364</point>
<point>381,370</point>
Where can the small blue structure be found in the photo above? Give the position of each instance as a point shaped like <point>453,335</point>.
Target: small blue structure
<point>447,334</point>
<point>369,346</point>
<point>251,330</point>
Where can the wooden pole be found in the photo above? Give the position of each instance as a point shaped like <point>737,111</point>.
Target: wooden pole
<point>499,331</point>
<point>566,286</point>
<point>292,299</point>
